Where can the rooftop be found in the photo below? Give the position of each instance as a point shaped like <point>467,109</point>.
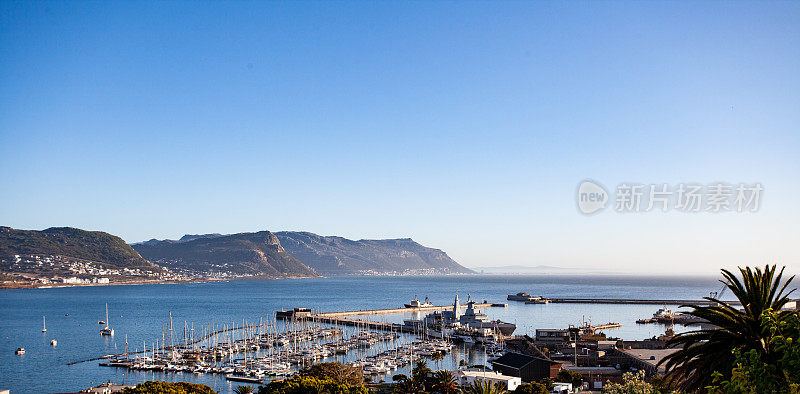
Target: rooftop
<point>486,375</point>
<point>650,356</point>
<point>518,360</point>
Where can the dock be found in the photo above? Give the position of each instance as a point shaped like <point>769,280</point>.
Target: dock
<point>167,348</point>
<point>343,318</point>
<point>607,326</point>
<point>374,325</point>
<point>636,301</point>
<point>405,310</point>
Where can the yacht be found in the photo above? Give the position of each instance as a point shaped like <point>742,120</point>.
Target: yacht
<point>663,314</point>
<point>519,297</point>
<point>416,304</point>
<point>527,298</point>
<point>53,342</point>
<point>108,331</point>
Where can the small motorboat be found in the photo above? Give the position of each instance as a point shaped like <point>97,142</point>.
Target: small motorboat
<point>20,351</point>
<point>53,342</point>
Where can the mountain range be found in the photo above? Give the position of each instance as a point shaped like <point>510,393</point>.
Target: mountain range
<point>109,250</point>
<point>332,255</point>
<point>258,254</point>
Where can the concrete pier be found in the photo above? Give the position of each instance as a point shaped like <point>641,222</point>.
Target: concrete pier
<point>634,301</point>
<point>404,310</point>
<point>342,318</point>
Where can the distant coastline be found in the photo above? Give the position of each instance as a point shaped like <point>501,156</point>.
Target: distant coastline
<point>7,285</point>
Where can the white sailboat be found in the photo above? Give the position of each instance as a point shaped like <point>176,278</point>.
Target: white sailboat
<point>44,326</point>
<point>107,330</point>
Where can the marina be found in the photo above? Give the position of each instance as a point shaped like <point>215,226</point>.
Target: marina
<point>256,354</point>
<point>298,338</point>
<point>141,314</point>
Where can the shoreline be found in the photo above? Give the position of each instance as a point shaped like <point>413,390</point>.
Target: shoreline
<point>20,286</point>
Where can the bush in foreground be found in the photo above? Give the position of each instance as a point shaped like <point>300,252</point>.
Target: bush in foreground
<point>157,387</point>
<point>337,372</point>
<point>311,385</point>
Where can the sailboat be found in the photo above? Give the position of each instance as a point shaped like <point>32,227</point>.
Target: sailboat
<point>107,330</point>
<point>44,326</point>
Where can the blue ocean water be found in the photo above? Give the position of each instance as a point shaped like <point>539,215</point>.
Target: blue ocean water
<point>141,313</point>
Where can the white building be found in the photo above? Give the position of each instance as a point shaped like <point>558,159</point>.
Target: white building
<point>466,377</point>
<point>561,388</point>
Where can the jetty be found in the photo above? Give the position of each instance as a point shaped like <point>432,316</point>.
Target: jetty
<point>406,310</point>
<point>636,301</point>
<point>344,318</point>
<point>171,347</point>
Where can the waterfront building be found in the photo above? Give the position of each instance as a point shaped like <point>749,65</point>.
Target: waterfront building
<point>528,368</point>
<point>466,377</point>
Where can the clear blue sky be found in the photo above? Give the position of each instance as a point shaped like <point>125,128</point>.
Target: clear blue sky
<point>464,125</point>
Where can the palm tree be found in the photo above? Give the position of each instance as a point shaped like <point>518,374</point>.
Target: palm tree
<point>445,382</point>
<point>436,357</point>
<point>484,386</point>
<point>707,350</point>
<point>420,371</point>
<point>406,385</point>
<point>243,390</point>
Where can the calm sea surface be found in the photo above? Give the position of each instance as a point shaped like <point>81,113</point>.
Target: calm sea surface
<point>142,313</point>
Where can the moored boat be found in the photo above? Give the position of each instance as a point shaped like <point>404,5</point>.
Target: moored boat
<point>415,303</point>
<point>107,331</point>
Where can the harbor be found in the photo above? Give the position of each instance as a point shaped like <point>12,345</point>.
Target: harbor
<point>254,305</point>
<point>298,338</point>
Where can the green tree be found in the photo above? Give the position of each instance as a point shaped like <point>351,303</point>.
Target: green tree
<point>484,386</point>
<point>421,368</point>
<point>632,383</point>
<point>752,374</point>
<point>243,390</point>
<point>445,382</point>
<point>437,357</point>
<point>310,385</point>
<point>531,388</point>
<point>705,351</point>
<point>406,385</point>
<point>336,371</point>
<point>158,387</point>
<point>419,375</point>
<point>567,376</point>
